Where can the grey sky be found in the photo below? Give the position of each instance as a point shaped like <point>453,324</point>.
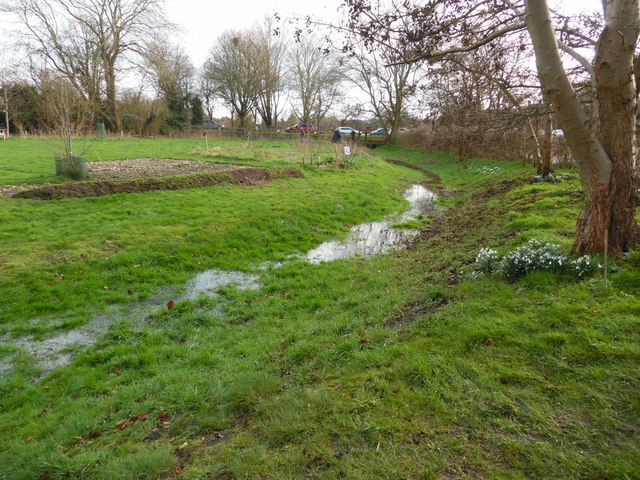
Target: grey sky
<point>201,22</point>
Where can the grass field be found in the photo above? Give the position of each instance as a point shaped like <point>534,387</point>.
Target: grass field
<point>400,366</point>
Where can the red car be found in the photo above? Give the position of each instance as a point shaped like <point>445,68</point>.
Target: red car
<point>301,127</point>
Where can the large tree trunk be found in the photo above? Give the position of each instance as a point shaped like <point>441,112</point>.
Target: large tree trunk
<point>616,128</point>
<point>605,156</point>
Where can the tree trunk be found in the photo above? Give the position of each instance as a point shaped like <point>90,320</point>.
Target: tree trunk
<point>6,110</point>
<point>112,100</point>
<point>605,157</point>
<point>544,167</point>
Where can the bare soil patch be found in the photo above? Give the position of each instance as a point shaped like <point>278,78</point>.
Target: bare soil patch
<point>153,167</point>
<point>139,175</point>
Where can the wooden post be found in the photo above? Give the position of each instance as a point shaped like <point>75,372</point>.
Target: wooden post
<point>206,140</point>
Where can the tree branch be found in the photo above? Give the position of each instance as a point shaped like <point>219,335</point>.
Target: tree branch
<point>468,48</point>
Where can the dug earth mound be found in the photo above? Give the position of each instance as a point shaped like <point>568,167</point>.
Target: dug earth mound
<point>140,175</point>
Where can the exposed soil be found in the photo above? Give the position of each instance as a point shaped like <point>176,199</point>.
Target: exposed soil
<point>433,180</point>
<point>153,167</point>
<point>139,175</point>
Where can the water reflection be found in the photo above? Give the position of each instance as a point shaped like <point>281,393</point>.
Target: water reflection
<point>366,240</point>
<point>370,239</point>
<point>206,283</point>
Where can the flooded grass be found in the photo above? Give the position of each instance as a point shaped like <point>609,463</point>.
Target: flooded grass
<point>364,240</point>
<point>390,366</point>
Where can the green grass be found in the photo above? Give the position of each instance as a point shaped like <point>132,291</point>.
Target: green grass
<point>132,242</point>
<point>398,366</point>
<point>31,160</point>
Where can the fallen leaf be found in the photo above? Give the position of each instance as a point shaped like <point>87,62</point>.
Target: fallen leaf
<point>178,469</point>
<point>105,287</point>
<point>121,424</point>
<point>29,439</point>
<point>182,445</point>
<point>364,340</point>
<point>170,304</point>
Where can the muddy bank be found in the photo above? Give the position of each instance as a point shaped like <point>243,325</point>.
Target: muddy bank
<point>433,180</point>
<point>245,176</point>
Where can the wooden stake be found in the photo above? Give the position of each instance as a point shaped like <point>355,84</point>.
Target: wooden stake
<point>206,140</point>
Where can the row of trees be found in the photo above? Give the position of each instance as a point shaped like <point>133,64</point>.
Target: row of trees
<point>124,71</point>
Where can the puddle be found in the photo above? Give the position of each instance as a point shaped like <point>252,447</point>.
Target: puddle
<point>58,350</point>
<point>365,240</point>
<point>370,239</point>
<point>206,283</point>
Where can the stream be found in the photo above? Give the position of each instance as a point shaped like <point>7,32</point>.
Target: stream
<point>365,240</point>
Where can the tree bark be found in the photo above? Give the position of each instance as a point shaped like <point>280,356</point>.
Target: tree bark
<point>544,167</point>
<point>112,100</point>
<point>605,155</point>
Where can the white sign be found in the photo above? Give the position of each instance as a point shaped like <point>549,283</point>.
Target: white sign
<point>347,150</point>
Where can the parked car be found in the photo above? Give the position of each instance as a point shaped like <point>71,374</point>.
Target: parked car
<point>212,124</point>
<point>381,131</point>
<point>301,127</point>
<point>348,130</point>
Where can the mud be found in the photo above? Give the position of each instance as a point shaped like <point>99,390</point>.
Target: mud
<point>244,176</point>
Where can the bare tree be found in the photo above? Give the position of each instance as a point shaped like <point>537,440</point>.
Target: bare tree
<point>388,87</point>
<point>316,79</point>
<point>233,67</point>
<point>85,40</point>
<point>603,144</point>
<point>488,101</point>
<point>271,57</point>
<point>606,152</point>
<point>207,90</point>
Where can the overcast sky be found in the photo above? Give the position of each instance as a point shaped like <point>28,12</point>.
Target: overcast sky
<point>202,22</point>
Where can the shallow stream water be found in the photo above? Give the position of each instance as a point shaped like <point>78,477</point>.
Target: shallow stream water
<point>366,240</point>
<point>373,238</point>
